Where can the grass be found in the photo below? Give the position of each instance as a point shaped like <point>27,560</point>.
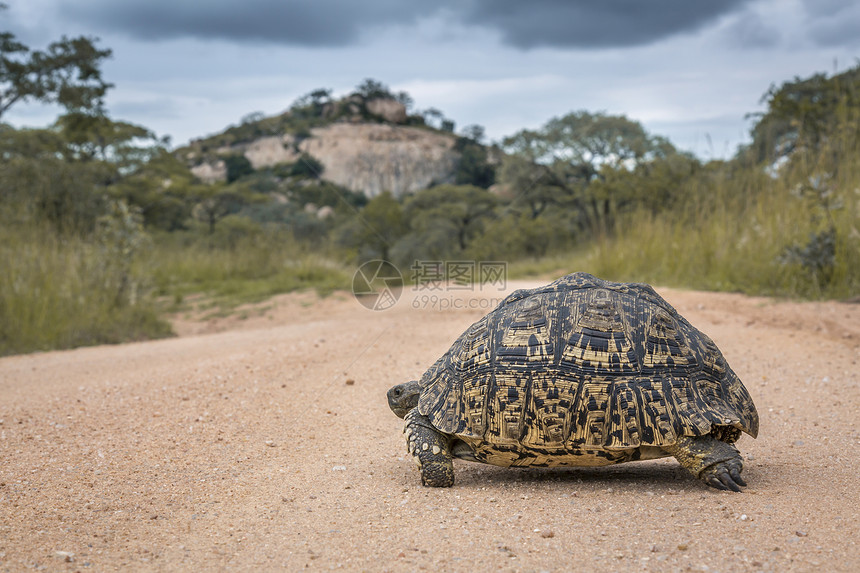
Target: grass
<point>732,228</point>
<point>57,294</point>
<point>732,236</point>
<point>250,270</point>
<point>60,293</point>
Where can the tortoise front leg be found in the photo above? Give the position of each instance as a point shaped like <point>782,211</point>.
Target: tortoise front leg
<point>430,449</point>
<point>716,463</point>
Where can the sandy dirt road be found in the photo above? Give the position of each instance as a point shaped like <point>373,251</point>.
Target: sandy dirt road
<point>266,444</point>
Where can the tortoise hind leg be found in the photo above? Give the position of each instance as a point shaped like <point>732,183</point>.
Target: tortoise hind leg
<point>430,449</point>
<point>716,463</point>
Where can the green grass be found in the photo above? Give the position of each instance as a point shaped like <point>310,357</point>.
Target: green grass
<point>732,236</point>
<point>250,270</point>
<point>57,294</point>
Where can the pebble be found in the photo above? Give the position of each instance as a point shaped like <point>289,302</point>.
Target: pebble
<point>547,533</point>
<point>801,533</point>
<point>338,469</point>
<point>682,547</point>
<point>67,556</point>
<point>349,382</point>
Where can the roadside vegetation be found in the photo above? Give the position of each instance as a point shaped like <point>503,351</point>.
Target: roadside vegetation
<point>104,229</point>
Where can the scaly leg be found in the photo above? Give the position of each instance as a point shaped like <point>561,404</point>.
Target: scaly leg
<point>430,449</point>
<point>716,463</point>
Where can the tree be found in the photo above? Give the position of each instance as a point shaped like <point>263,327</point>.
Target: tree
<point>535,185</point>
<point>581,142</point>
<point>572,152</point>
<point>474,167</point>
<point>378,226</point>
<point>39,185</point>
<point>307,166</point>
<point>474,132</point>
<point>252,117</point>
<point>67,73</point>
<point>432,116</point>
<point>405,99</point>
<point>371,89</point>
<point>97,137</point>
<point>63,174</point>
<point>311,104</point>
<point>237,167</point>
<point>214,203</point>
<point>460,209</point>
<point>163,189</point>
<point>803,113</point>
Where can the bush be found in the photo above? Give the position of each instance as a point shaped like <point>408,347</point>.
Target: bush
<point>307,166</point>
<point>64,293</point>
<point>238,166</point>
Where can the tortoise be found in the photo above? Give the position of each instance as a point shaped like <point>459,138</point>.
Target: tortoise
<point>580,372</point>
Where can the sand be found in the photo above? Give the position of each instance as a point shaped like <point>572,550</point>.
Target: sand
<point>264,443</point>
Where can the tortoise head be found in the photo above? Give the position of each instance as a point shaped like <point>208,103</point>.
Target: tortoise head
<point>404,397</point>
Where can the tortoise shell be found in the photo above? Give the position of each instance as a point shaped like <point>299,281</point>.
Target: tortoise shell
<point>583,372</point>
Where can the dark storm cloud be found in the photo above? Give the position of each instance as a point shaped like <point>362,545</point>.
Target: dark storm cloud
<point>595,24</point>
<point>571,23</point>
<point>293,22</point>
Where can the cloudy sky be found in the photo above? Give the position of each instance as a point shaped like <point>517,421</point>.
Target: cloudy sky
<point>688,70</point>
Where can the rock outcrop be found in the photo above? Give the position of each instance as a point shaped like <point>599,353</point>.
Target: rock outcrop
<point>210,172</point>
<point>364,157</point>
<point>388,109</point>
<point>268,151</point>
<point>372,158</point>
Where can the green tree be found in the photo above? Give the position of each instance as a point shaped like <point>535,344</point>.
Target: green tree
<point>63,174</point>
<point>474,132</point>
<point>534,185</point>
<point>376,229</point>
<point>405,99</point>
<point>372,89</point>
<point>569,154</point>
<point>804,113</point>
<point>237,167</point>
<point>215,202</point>
<point>474,167</point>
<point>311,105</point>
<point>124,145</point>
<point>458,209</point>
<point>163,189</point>
<point>40,186</point>
<point>307,166</point>
<point>66,73</point>
<point>656,185</point>
<point>324,193</point>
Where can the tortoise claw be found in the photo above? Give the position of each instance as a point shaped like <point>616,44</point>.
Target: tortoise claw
<point>724,475</point>
<point>715,483</point>
<point>727,480</point>
<point>736,475</point>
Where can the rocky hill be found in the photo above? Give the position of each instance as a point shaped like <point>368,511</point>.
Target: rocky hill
<point>365,144</point>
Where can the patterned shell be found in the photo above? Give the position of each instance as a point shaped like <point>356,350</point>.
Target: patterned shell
<point>585,363</point>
